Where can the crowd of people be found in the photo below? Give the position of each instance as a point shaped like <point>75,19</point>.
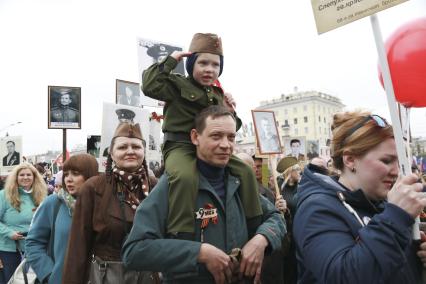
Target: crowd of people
<point>211,217</point>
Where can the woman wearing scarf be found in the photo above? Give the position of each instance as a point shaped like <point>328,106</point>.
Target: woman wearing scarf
<point>24,190</point>
<point>49,231</point>
<point>104,213</point>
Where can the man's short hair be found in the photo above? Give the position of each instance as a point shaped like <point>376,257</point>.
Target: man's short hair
<point>10,141</point>
<point>214,112</point>
<point>294,141</point>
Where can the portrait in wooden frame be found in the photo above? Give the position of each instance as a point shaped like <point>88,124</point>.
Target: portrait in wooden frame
<point>268,138</point>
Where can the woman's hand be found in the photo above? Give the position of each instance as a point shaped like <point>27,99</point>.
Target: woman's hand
<point>17,236</point>
<point>407,194</point>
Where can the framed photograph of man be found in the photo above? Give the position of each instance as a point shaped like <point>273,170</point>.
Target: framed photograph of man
<point>94,145</point>
<point>10,153</point>
<point>112,115</point>
<point>64,107</point>
<point>127,93</point>
<point>295,147</point>
<point>312,149</point>
<point>266,130</point>
<point>150,52</point>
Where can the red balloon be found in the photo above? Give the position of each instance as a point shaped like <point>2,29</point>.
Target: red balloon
<point>406,52</point>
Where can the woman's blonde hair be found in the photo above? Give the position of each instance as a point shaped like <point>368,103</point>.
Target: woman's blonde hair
<point>39,187</point>
<point>356,133</point>
<point>287,173</point>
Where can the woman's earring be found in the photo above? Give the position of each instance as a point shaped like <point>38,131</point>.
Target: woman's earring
<point>353,170</point>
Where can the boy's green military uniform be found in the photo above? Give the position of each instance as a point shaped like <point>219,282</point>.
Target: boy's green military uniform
<point>185,98</point>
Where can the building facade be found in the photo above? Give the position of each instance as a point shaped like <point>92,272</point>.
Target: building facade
<point>306,116</point>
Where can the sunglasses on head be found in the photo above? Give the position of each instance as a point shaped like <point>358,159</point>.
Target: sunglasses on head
<point>380,121</point>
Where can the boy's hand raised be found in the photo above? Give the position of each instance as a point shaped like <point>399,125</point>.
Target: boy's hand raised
<point>178,55</point>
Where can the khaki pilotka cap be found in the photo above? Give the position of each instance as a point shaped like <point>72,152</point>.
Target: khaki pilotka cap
<point>207,43</point>
<point>126,129</point>
<point>286,163</point>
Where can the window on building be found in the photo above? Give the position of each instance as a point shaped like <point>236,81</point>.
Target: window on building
<point>319,129</point>
<point>295,110</point>
<point>285,111</point>
<point>295,121</point>
<point>319,118</point>
<point>324,119</point>
<point>285,122</point>
<point>296,131</point>
<point>305,107</point>
<point>306,130</point>
<point>305,119</point>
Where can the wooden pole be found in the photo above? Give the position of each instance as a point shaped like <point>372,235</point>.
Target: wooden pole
<point>64,145</point>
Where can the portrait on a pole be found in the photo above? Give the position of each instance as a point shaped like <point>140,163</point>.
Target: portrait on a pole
<point>127,93</point>
<point>150,52</point>
<point>295,147</point>
<point>10,153</point>
<point>64,107</point>
<point>312,149</point>
<point>267,135</point>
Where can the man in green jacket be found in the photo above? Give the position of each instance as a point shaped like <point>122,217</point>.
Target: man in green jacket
<point>221,225</point>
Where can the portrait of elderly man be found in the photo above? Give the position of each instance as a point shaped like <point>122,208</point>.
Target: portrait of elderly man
<point>65,110</point>
<point>268,138</point>
<point>12,157</point>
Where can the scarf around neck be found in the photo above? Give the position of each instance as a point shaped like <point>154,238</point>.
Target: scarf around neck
<point>134,185</point>
<point>68,199</point>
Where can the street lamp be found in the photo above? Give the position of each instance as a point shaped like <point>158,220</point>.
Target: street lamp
<point>10,125</point>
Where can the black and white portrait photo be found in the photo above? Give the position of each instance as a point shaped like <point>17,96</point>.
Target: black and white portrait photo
<point>127,93</point>
<point>94,145</point>
<point>150,52</point>
<point>295,147</point>
<point>312,149</point>
<point>64,104</point>
<point>10,153</point>
<point>266,129</point>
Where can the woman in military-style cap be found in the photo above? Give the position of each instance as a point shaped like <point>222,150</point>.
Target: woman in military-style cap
<point>104,214</point>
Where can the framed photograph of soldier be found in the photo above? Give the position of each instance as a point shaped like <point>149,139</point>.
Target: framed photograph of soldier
<point>150,52</point>
<point>94,145</point>
<point>10,153</point>
<point>265,125</point>
<point>127,93</point>
<point>295,147</point>
<point>312,149</point>
<point>112,115</point>
<point>64,107</point>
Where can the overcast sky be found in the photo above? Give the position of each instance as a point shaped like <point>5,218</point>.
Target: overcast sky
<point>269,48</point>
